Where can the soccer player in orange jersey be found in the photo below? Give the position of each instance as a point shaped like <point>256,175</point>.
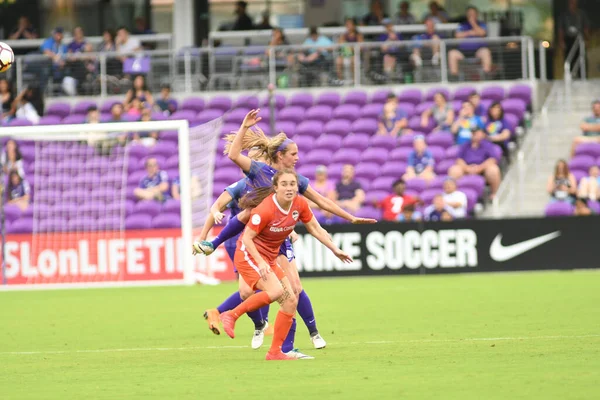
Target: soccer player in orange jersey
<point>276,210</point>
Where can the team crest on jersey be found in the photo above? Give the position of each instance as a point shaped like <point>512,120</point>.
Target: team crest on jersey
<point>295,215</point>
<point>256,219</point>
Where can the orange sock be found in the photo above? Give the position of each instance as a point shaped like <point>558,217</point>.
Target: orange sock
<point>252,303</point>
<point>283,322</point>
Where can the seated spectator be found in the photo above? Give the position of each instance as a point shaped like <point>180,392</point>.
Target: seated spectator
<point>78,68</point>
<point>581,208</point>
<point>471,28</point>
<point>108,42</point>
<point>393,121</point>
<point>562,185</point>
<point>18,190</point>
<point>589,185</point>
<point>24,30</point>
<point>116,113</point>
<point>436,210</point>
<point>454,199</point>
<point>348,192</point>
<point>155,186</point>
<point>420,161</point>
<point>6,99</point>
<point>409,214</point>
<point>165,102</point>
<point>393,205</point>
<point>243,21</point>
<point>442,113</point>
<point>477,158</point>
<point>352,35</point>
<point>12,159</point>
<point>139,90</point>
<point>141,27</point>
<point>149,138</point>
<point>447,217</point>
<point>265,22</point>
<point>390,52</point>
<point>324,187</point>
<point>135,108</point>
<point>475,99</point>
<point>29,104</point>
<point>92,116</point>
<point>496,128</point>
<point>430,35</point>
<point>96,139</point>
<point>376,15</point>
<point>466,123</point>
<point>404,16</point>
<point>54,49</point>
<point>126,44</point>
<point>283,58</point>
<point>315,60</point>
<point>590,128</point>
<point>176,189</point>
<point>79,44</point>
<point>436,13</point>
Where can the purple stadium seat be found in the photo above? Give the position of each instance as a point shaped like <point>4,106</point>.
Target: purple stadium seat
<point>310,128</point>
<point>331,99</point>
<point>339,127</point>
<point>208,115</point>
<point>369,212</point>
<point>358,97</point>
<point>594,206</point>
<point>236,116</point>
<point>334,171</point>
<point>319,113</point>
<point>582,162</point>
<point>437,183</point>
<point>308,170</point>
<point>406,140</point>
<point>456,106</point>
<point>407,108</point>
<point>452,153</point>
<point>422,107</point>
<point>107,105</point>
<point>437,152</point>
<point>52,225</point>
<point>411,96</point>
<point>440,139</point>
<point>494,93</point>
<point>228,174</point>
<point>475,182</point>
<point>512,122</point>
<point>376,196</point>
<point>304,100</point>
<point>591,149</point>
<point>74,119</point>
<point>304,142</point>
<point>83,106</point>
<point>400,154</point>
<point>195,104</point>
<point>348,156</point>
<point>139,151</point>
<point>365,183</point>
<point>329,142</point>
<point>138,221</point>
<point>559,209</point>
<point>365,125</point>
<point>130,118</point>
<point>416,184</point>
<point>158,116</point>
<point>393,169</point>
<point>166,220</point>
<point>384,183</point>
<point>358,141</point>
<point>432,92</point>
<point>463,93</point>
<point>380,96</point>
<point>348,112</point>
<point>443,166</point>
<point>12,212</point>
<point>59,108</point>
<point>318,155</point>
<point>20,122</point>
<point>110,224</point>
<point>522,92</point>
<point>517,107</point>
<point>578,174</point>
<point>374,155</point>
<point>383,141</point>
<point>279,99</point>
<point>222,103</point>
<point>246,102</point>
<point>415,124</point>
<point>135,177</point>
<point>371,111</point>
<point>184,114</point>
<point>427,195</point>
<point>164,149</point>
<point>50,120</point>
<point>291,113</point>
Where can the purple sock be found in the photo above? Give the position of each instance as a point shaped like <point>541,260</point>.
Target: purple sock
<point>233,227</point>
<point>288,343</point>
<point>306,312</point>
<point>235,300</point>
<point>265,312</point>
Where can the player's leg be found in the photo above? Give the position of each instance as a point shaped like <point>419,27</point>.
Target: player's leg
<point>234,227</point>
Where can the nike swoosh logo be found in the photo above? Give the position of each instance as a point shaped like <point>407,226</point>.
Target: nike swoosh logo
<point>501,253</point>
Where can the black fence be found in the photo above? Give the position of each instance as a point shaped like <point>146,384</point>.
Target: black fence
<point>463,246</point>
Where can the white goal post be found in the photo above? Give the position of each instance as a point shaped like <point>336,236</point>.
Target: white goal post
<point>53,253</point>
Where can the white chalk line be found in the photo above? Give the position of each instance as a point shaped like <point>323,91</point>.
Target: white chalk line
<point>192,348</point>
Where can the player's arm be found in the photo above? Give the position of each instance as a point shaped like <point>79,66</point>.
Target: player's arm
<point>235,150</point>
<point>314,228</point>
<point>248,240</point>
<point>330,206</point>
<point>216,214</point>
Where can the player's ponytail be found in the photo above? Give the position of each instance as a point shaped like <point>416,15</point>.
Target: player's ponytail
<point>253,138</point>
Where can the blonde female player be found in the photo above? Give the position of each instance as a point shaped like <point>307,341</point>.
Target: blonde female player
<point>275,212</point>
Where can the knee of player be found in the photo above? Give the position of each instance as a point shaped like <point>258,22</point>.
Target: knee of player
<point>276,293</point>
<point>291,302</point>
<point>245,293</point>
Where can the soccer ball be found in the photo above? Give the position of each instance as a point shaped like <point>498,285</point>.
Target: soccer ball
<point>7,57</point>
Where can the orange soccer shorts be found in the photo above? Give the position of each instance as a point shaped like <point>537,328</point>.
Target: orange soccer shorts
<point>248,269</point>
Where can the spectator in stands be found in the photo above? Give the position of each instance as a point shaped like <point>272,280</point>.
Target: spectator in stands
<point>176,189</point>
<point>352,35</point>
<point>6,99</point>
<point>325,187</point>
<point>390,52</point>
<point>265,22</point>
<point>141,27</point>
<point>283,58</point>
<point>590,128</point>
<point>108,42</point>
<point>376,15</point>
<point>393,121</point>
<point>24,30</point>
<point>243,21</point>
<point>148,138</point>
<point>394,204</point>
<point>116,113</point>
<point>139,90</point>
<point>477,158</point>
<point>562,185</point>
<point>18,190</point>
<point>78,67</point>
<point>442,113</point>
<point>496,128</point>
<point>570,25</point>
<point>12,159</point>
<point>126,44</point>
<point>454,199</point>
<point>79,44</point>
<point>404,16</point>
<point>165,103</point>
<point>420,161</point>
<point>348,191</point>
<point>135,108</point>
<point>430,34</point>
<point>436,210</point>
<point>475,99</point>
<point>436,13</point>
<point>315,60</point>
<point>54,49</point>
<point>581,208</point>
<point>409,214</point>
<point>466,123</point>
<point>93,115</point>
<point>589,185</point>
<point>154,186</point>
<point>471,28</point>
<point>29,104</point>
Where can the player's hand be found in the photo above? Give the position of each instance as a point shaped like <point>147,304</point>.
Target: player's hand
<point>218,216</point>
<point>362,221</point>
<point>251,118</point>
<point>343,256</point>
<point>293,237</point>
<point>264,270</point>
<point>194,252</point>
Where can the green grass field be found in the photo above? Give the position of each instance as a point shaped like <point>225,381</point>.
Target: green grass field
<point>482,336</point>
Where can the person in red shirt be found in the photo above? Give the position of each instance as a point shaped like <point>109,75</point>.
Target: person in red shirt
<point>275,212</point>
<point>394,204</point>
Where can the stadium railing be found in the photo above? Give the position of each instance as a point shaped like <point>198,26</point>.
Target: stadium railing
<point>575,64</point>
<point>159,40</point>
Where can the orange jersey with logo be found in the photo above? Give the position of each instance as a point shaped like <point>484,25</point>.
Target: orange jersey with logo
<point>274,224</point>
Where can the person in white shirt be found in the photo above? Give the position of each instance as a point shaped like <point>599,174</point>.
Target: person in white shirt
<point>125,43</point>
<point>455,199</point>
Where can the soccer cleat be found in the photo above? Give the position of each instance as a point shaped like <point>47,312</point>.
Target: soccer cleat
<point>300,356</point>
<point>228,323</point>
<point>204,247</point>
<point>212,318</point>
<point>318,341</point>
<point>259,336</point>
<point>278,356</point>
